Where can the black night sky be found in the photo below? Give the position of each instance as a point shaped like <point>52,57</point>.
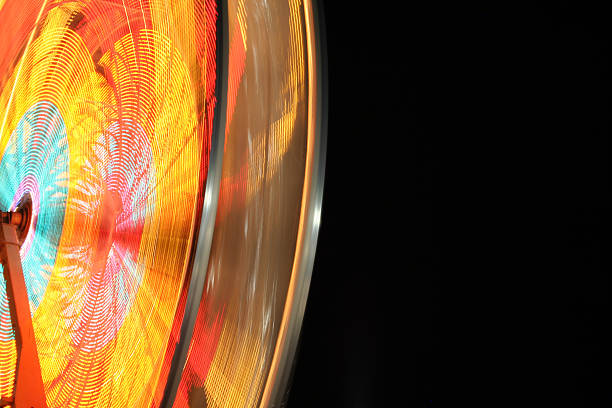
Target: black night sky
<point>363,333</point>
<point>516,99</point>
<point>519,100</point>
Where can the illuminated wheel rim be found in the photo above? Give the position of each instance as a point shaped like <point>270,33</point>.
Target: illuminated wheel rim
<point>172,237</point>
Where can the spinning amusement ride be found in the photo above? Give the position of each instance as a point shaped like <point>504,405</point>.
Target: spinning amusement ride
<point>161,175</point>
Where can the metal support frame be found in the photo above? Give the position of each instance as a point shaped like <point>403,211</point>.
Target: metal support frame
<point>29,391</point>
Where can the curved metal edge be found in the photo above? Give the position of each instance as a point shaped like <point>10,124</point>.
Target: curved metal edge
<point>209,213</point>
<point>312,199</point>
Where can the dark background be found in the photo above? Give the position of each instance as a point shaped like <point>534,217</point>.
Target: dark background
<point>363,334</point>
<point>540,91</point>
<point>519,99</point>
<point>567,73</point>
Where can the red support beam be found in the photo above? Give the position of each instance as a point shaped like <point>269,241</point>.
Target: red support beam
<point>29,390</point>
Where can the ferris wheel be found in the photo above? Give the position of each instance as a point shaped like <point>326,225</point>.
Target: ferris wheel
<point>161,177</point>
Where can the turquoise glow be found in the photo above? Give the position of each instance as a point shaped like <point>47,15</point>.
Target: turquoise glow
<point>36,161</point>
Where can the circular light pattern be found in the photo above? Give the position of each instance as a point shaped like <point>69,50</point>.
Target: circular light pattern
<point>35,162</point>
<point>105,121</point>
<point>106,116</point>
<point>119,185</point>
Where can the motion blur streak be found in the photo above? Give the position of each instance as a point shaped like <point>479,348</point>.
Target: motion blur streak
<point>258,215</point>
<point>108,123</point>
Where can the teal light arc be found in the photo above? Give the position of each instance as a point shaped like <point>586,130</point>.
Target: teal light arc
<point>36,161</point>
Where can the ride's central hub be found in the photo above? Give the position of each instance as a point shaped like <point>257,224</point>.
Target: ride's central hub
<point>110,209</point>
<point>21,217</point>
